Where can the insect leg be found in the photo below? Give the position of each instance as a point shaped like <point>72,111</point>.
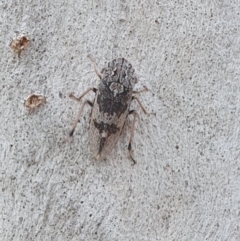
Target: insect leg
<point>81,109</point>
<point>84,93</point>
<point>143,109</point>
<point>95,67</point>
<point>77,119</point>
<point>140,91</point>
<point>130,151</point>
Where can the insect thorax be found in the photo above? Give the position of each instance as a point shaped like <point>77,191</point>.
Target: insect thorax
<point>119,76</point>
<point>115,90</point>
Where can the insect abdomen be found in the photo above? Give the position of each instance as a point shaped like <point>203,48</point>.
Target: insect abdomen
<point>108,117</point>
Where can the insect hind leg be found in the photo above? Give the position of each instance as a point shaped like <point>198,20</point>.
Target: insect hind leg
<point>130,151</point>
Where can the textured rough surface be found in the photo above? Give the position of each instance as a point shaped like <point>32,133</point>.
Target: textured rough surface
<point>186,183</point>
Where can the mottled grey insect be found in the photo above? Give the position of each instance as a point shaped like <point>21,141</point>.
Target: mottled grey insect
<point>111,107</point>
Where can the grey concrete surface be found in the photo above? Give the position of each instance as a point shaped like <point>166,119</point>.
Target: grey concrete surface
<point>186,183</point>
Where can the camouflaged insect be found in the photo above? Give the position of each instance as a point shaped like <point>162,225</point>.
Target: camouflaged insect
<point>111,107</point>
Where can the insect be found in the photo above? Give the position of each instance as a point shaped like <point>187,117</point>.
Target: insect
<point>111,107</point>
<point>19,44</point>
<point>33,101</point>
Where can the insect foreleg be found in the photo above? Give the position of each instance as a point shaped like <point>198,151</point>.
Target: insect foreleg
<point>84,93</point>
<point>95,67</point>
<point>140,91</point>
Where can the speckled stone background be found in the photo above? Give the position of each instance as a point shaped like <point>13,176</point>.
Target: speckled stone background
<point>186,183</point>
